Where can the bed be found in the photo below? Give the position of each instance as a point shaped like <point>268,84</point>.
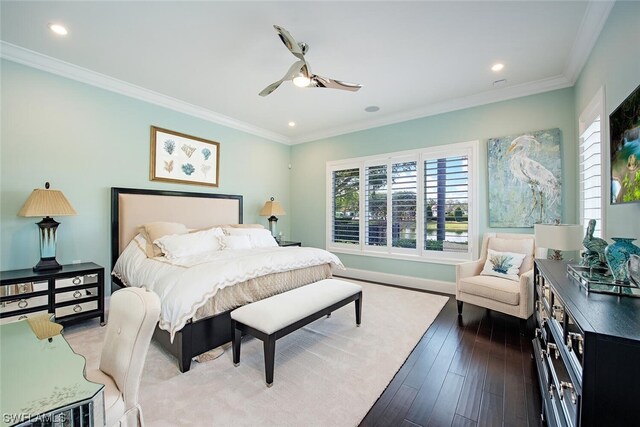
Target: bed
<point>195,332</point>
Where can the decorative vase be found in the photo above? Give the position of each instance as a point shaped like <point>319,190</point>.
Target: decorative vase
<point>617,255</point>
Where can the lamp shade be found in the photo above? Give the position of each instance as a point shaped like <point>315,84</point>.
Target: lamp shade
<point>562,237</point>
<point>272,208</point>
<point>45,202</point>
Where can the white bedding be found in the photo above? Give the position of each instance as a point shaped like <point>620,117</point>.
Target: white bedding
<point>185,284</point>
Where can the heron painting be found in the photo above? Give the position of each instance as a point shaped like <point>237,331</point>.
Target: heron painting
<point>524,179</point>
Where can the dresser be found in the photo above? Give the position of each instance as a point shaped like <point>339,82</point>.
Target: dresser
<point>73,293</point>
<point>587,351</point>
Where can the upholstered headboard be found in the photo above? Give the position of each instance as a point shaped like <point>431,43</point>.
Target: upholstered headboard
<point>131,208</point>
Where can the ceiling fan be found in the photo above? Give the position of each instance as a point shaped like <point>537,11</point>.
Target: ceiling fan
<point>300,72</point>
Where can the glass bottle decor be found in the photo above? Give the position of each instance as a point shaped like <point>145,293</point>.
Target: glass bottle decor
<point>617,255</point>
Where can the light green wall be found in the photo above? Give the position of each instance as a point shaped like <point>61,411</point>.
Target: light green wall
<point>537,112</point>
<point>85,140</point>
<point>615,64</point>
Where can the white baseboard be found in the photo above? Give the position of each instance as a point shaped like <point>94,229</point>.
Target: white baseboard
<point>398,280</point>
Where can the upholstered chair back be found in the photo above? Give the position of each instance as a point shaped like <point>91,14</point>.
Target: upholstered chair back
<point>511,242</point>
<point>133,314</point>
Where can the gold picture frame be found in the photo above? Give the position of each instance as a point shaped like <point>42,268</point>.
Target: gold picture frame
<point>177,157</point>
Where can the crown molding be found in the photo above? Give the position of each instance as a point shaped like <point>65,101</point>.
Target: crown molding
<point>46,63</point>
<point>483,98</point>
<point>593,21</point>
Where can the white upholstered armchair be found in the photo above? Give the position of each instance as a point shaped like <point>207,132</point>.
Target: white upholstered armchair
<point>133,314</point>
<point>496,293</point>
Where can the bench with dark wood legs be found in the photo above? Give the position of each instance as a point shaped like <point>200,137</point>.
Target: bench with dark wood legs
<point>274,317</point>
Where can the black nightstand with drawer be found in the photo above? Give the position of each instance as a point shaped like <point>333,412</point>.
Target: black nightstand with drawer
<point>73,293</point>
<point>288,243</point>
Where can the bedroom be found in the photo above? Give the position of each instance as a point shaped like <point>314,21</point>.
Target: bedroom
<point>86,139</point>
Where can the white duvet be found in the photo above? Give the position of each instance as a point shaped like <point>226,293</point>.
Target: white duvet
<point>185,284</point>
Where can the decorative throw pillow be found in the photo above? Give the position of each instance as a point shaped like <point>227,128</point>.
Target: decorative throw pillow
<point>503,264</point>
<point>259,238</point>
<point>182,245</point>
<point>236,242</point>
<point>518,246</point>
<point>154,230</point>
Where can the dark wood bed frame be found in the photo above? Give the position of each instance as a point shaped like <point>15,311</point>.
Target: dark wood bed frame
<point>195,337</point>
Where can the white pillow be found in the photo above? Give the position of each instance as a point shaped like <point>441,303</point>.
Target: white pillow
<point>503,264</point>
<point>259,238</point>
<point>236,242</point>
<point>182,245</point>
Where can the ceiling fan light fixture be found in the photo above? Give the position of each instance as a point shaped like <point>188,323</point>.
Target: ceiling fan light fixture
<point>301,80</point>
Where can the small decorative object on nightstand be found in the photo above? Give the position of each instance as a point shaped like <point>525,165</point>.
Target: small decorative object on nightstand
<point>47,203</point>
<point>73,293</point>
<point>288,243</point>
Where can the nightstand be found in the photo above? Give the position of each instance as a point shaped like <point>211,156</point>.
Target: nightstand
<point>73,293</point>
<point>288,243</point>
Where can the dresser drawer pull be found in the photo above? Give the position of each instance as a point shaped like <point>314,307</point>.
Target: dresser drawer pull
<point>77,308</point>
<point>543,353</point>
<point>77,294</point>
<point>568,386</point>
<point>552,387</point>
<point>76,280</point>
<point>22,317</point>
<point>552,346</point>
<point>571,337</point>
<point>23,303</point>
<point>560,309</point>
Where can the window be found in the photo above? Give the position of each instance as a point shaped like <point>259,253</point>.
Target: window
<point>418,204</point>
<point>590,164</point>
<point>346,206</point>
<point>447,198</point>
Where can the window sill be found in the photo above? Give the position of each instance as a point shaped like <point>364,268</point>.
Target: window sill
<point>399,257</point>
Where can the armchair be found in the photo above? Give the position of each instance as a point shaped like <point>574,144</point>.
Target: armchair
<point>511,297</point>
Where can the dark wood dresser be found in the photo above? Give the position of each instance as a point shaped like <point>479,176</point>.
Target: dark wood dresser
<point>587,352</point>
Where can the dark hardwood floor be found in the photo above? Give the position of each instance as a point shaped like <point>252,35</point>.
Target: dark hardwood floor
<point>469,371</point>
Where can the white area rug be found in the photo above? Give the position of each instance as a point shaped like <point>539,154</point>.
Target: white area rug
<point>328,373</point>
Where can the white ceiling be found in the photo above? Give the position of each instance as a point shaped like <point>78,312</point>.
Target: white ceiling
<point>211,59</point>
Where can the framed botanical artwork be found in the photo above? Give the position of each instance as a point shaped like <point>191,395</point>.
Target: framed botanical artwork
<point>624,134</point>
<point>176,157</point>
<point>525,178</point>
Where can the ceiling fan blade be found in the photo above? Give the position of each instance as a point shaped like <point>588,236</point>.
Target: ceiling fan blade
<point>319,81</point>
<point>273,86</point>
<point>291,73</point>
<point>291,43</point>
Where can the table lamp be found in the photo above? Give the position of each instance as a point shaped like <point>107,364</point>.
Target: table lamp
<point>559,237</point>
<point>47,203</point>
<point>272,208</point>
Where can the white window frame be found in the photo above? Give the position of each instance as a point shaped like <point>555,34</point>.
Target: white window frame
<point>469,149</point>
<point>594,109</point>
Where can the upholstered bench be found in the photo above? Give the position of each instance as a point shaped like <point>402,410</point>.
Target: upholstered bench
<point>279,315</point>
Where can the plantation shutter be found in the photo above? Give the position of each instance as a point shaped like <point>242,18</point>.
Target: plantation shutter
<point>404,188</point>
<point>446,195</point>
<point>346,206</point>
<point>590,166</point>
<point>376,205</point>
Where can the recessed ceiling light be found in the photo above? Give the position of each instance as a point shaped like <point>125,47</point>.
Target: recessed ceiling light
<point>497,67</point>
<point>58,29</point>
<point>292,124</point>
<point>372,109</point>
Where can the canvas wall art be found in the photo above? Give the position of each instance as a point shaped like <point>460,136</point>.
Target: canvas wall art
<point>525,179</point>
<point>176,157</point>
<point>624,132</point>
